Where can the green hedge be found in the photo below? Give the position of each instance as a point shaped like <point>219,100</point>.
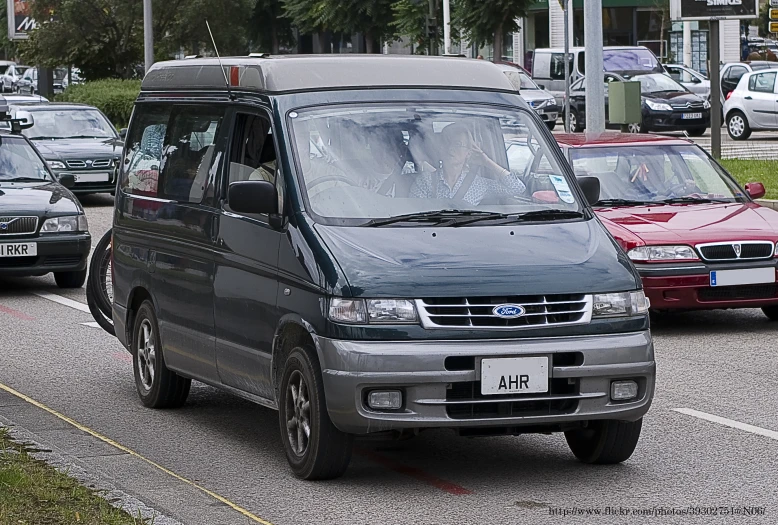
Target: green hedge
<point>113,97</point>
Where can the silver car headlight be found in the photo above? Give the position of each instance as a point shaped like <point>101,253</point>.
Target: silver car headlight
<point>658,106</point>
<point>706,105</point>
<point>67,223</point>
<point>361,311</point>
<point>662,253</point>
<point>56,164</point>
<point>621,304</point>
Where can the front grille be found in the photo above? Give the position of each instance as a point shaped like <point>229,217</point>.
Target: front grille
<point>693,105</point>
<point>79,164</point>
<point>478,312</point>
<point>59,260</point>
<point>18,225</point>
<point>746,250</point>
<point>749,291</point>
<point>510,405</point>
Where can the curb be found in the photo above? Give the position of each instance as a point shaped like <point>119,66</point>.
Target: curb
<point>70,466</point>
<point>768,203</point>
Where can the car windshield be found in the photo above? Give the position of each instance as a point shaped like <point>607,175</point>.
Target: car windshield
<point>521,80</point>
<point>19,161</point>
<point>653,174</point>
<point>383,161</point>
<point>657,83</point>
<point>69,123</point>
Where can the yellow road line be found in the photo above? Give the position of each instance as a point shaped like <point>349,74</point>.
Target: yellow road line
<point>131,452</point>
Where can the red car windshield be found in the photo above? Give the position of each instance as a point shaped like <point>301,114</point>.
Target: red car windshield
<point>644,174</point>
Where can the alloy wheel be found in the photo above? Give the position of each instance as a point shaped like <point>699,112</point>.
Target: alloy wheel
<point>737,125</point>
<point>573,122</point>
<point>634,128</point>
<point>298,413</point>
<point>146,355</point>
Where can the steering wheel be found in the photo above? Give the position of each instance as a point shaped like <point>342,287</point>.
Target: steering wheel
<point>331,178</point>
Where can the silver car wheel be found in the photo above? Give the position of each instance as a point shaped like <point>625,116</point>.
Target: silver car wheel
<point>298,413</point>
<point>146,355</point>
<point>573,122</point>
<point>633,128</point>
<point>737,125</point>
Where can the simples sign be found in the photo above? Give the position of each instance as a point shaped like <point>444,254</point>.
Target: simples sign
<point>19,20</point>
<point>719,9</point>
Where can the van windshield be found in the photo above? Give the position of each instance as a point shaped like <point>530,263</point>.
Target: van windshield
<point>359,163</point>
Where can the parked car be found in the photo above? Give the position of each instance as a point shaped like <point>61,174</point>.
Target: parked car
<point>752,105</point>
<point>28,84</point>
<point>548,65</point>
<point>697,238</point>
<point>538,99</point>
<point>77,140</point>
<point>355,303</point>
<point>9,76</point>
<point>692,80</point>
<point>43,228</point>
<point>666,105</point>
<point>732,72</point>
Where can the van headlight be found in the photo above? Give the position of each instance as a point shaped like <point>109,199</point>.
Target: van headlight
<point>622,304</point>
<point>361,311</point>
<point>662,253</point>
<point>67,223</point>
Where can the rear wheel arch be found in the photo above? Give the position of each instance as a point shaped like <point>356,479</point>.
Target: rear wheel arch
<point>137,296</point>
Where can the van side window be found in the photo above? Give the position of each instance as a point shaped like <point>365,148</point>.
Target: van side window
<point>189,152</point>
<point>144,150</point>
<point>253,154</point>
<point>558,66</point>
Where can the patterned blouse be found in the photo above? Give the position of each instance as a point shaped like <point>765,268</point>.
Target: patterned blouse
<point>424,187</point>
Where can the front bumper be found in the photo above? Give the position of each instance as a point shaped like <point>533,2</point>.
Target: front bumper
<point>548,113</point>
<point>440,382</point>
<point>90,187</point>
<point>667,121</point>
<point>687,286</point>
<point>57,252</point>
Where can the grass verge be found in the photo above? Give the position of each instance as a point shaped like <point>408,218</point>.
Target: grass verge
<point>32,492</point>
<point>764,171</point>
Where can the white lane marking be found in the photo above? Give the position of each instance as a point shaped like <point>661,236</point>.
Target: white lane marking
<point>92,324</point>
<point>772,434</point>
<point>63,301</point>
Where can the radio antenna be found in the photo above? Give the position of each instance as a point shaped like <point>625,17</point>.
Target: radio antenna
<point>221,66</point>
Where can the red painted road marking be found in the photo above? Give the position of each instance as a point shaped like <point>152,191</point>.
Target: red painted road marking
<point>420,475</point>
<point>16,313</point>
<point>123,356</point>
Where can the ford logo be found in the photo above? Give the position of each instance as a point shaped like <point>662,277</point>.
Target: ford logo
<point>508,311</point>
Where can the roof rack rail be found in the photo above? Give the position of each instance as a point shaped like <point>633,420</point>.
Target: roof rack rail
<point>259,55</point>
<point>187,57</point>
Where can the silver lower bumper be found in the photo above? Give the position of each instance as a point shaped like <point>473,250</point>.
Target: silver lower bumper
<point>439,391</point>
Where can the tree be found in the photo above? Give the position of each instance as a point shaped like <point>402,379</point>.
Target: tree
<point>8,47</point>
<point>269,28</point>
<point>410,20</point>
<point>309,16</point>
<point>488,21</point>
<point>372,18</point>
<point>229,21</point>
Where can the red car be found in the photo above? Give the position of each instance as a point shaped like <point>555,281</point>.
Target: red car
<point>697,238</point>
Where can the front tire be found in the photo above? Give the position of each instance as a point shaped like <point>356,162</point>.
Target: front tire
<point>158,387</point>
<point>605,442</point>
<point>314,447</point>
<point>737,126</point>
<point>576,126</point>
<point>70,279</point>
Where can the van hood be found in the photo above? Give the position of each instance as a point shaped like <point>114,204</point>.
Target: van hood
<point>521,259</point>
<point>693,223</point>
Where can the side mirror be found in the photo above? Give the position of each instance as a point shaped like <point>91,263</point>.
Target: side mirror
<point>25,119</point>
<point>755,190</point>
<point>67,180</point>
<point>253,196</point>
<point>542,86</point>
<point>123,133</point>
<point>591,189</point>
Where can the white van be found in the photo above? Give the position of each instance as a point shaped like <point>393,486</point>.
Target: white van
<point>548,65</point>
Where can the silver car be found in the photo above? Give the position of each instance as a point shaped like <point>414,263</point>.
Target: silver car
<point>752,104</point>
<point>542,101</point>
<point>692,80</point>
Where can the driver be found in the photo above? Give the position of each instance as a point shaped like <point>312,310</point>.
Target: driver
<point>465,172</point>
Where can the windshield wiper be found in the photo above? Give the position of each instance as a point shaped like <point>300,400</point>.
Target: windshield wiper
<point>435,216</point>
<point>21,179</point>
<point>87,137</point>
<point>692,200</point>
<point>548,215</point>
<point>621,202</point>
<point>44,138</point>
